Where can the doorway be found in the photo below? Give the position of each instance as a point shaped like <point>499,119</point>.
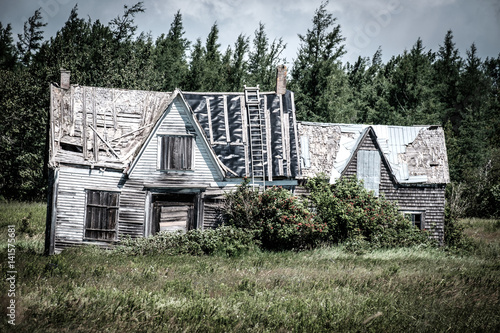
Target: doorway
<point>173,212</point>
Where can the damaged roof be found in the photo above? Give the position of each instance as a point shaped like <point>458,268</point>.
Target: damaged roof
<point>415,154</point>
<point>106,127</point>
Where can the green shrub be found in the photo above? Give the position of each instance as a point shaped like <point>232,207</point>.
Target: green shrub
<point>224,240</point>
<point>454,235</point>
<point>278,220</point>
<point>353,214</point>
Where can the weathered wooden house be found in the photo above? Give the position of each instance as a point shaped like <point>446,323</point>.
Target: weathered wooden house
<point>408,165</point>
<point>129,162</point>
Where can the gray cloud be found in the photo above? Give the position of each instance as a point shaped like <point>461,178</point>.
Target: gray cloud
<point>393,25</point>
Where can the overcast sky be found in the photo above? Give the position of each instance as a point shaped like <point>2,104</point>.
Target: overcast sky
<point>393,25</point>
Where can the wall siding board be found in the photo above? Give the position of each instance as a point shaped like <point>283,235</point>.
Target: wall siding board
<point>429,199</point>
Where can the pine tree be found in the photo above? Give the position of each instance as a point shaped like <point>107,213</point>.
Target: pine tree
<point>264,59</point>
<point>196,73</point>
<point>213,62</point>
<point>447,76</point>
<point>318,58</point>
<point>29,41</point>
<point>238,67</point>
<point>411,90</point>
<point>7,49</point>
<point>170,56</point>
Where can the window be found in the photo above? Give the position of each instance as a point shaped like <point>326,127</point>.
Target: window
<point>102,215</point>
<point>416,219</point>
<point>305,160</point>
<point>175,152</point>
<point>368,169</point>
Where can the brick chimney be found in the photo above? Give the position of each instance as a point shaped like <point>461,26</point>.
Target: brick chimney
<point>281,80</point>
<point>65,74</point>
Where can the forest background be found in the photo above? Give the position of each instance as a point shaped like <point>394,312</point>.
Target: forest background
<point>416,87</point>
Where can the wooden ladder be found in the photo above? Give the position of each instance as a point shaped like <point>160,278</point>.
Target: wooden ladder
<point>256,125</point>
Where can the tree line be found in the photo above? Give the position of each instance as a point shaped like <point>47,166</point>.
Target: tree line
<point>416,87</point>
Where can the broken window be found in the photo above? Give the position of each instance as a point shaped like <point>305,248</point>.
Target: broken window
<point>368,169</point>
<point>175,152</point>
<point>102,215</point>
<point>416,219</point>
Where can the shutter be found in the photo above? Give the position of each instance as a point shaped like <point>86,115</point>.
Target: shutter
<point>368,169</point>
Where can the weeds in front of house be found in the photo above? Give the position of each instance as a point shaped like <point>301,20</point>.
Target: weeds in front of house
<point>224,240</point>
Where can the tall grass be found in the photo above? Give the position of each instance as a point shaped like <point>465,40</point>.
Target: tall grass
<point>324,290</point>
<point>29,222</point>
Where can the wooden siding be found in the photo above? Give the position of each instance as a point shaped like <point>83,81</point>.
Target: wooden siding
<point>176,122</point>
<point>428,199</point>
<point>71,203</point>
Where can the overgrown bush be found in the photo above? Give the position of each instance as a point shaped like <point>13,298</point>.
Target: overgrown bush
<point>224,240</point>
<point>454,235</point>
<point>278,219</point>
<point>352,214</point>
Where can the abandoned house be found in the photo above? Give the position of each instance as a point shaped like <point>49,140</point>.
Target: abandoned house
<point>129,162</point>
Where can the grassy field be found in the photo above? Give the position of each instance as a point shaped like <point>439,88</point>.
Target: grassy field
<point>323,290</point>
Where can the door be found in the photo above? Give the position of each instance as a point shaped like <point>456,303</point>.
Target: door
<point>172,212</point>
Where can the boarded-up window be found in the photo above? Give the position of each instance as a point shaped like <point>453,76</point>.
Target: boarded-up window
<point>368,169</point>
<point>102,215</point>
<point>175,152</point>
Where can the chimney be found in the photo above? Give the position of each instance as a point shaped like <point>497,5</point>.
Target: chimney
<point>65,74</point>
<point>281,80</point>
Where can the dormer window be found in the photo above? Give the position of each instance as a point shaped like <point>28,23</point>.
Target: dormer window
<point>175,152</point>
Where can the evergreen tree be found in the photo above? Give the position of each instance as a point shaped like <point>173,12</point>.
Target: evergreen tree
<point>239,65</point>
<point>264,59</point>
<point>447,76</point>
<point>474,130</point>
<point>196,68</point>
<point>170,56</point>
<point>123,26</point>
<point>213,62</point>
<point>318,58</point>
<point>411,91</point>
<point>7,50</point>
<point>338,99</point>
<point>29,41</point>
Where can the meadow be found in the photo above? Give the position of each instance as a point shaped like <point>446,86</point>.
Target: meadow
<point>328,289</point>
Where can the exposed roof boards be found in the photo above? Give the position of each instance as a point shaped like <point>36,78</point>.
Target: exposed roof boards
<point>416,154</point>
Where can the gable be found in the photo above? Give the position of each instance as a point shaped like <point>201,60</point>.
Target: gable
<point>176,122</point>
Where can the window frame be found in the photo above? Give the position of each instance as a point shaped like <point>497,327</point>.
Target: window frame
<point>187,159</point>
<point>411,214</point>
<point>372,179</point>
<point>107,207</point>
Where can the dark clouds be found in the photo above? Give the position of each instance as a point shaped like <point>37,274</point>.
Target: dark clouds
<point>394,25</point>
